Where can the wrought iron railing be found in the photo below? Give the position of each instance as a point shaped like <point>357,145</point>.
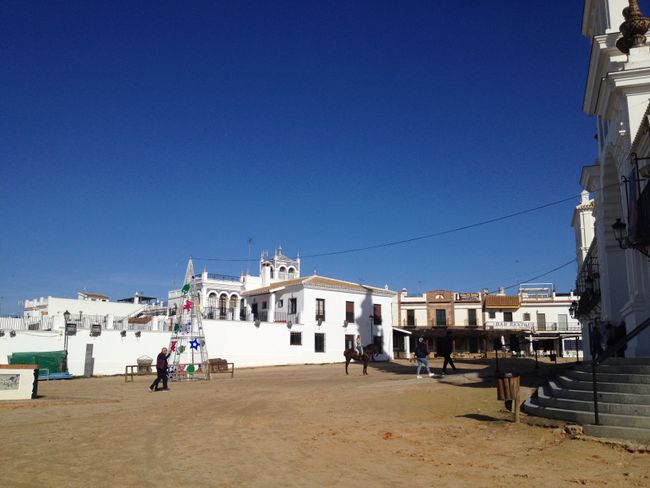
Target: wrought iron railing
<point>613,349</point>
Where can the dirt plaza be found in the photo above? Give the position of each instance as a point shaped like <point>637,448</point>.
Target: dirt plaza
<point>299,426</point>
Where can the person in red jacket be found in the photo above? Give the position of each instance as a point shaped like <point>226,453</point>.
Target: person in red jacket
<point>161,370</point>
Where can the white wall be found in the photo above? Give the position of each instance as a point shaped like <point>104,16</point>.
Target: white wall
<point>240,342</point>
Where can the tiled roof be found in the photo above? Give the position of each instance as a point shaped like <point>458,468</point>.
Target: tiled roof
<point>316,280</point>
<point>502,301</point>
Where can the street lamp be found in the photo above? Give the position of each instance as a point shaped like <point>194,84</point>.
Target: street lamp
<point>623,238</point>
<point>66,316</point>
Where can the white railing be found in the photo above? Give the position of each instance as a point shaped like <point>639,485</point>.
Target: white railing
<point>26,323</point>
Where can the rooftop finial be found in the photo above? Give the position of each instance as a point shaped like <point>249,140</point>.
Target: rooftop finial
<point>633,29</point>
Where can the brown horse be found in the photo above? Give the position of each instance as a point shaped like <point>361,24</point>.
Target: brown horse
<point>368,354</point>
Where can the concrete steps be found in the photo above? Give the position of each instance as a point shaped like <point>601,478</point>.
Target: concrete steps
<point>623,399</point>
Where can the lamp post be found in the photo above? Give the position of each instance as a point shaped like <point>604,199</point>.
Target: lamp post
<point>623,238</point>
<point>66,316</point>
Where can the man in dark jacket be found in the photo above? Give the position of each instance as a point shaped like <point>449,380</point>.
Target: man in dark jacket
<point>447,349</point>
<point>161,370</point>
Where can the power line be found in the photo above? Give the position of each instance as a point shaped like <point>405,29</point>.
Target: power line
<point>545,273</point>
<point>421,237</point>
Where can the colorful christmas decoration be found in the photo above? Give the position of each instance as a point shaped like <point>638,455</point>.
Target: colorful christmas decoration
<point>187,344</point>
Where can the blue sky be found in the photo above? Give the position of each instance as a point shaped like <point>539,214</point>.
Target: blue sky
<point>135,134</point>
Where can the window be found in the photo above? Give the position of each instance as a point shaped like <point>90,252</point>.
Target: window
<point>410,317</point>
<point>263,305</point>
<point>376,313</point>
<point>279,303</point>
<point>320,309</point>
<point>471,317</point>
<point>319,342</point>
<point>507,316</point>
<point>295,339</point>
<point>376,340</point>
<point>526,317</point>
<point>349,341</point>
<point>441,317</point>
<point>349,312</point>
<point>492,314</point>
<point>293,305</point>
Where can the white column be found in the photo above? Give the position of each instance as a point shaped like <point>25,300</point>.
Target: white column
<point>109,322</point>
<point>407,346</point>
<point>271,310</point>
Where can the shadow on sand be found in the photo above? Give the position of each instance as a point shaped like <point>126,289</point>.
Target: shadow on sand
<point>480,373</point>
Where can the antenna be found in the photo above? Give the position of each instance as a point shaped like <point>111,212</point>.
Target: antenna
<point>248,263</point>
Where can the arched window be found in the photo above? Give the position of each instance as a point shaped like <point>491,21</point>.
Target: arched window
<point>223,300</point>
<point>292,272</point>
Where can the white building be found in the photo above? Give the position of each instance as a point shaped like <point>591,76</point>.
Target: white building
<point>537,315</point>
<point>94,307</point>
<point>614,279</point>
<point>222,295</point>
<point>333,311</point>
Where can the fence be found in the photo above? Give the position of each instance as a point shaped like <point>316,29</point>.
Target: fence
<point>26,323</point>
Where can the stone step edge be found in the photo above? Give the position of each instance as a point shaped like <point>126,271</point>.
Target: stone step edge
<point>587,402</point>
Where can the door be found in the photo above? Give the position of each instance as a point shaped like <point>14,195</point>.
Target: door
<point>473,345</point>
<point>563,322</point>
<point>349,341</point>
<point>541,321</point>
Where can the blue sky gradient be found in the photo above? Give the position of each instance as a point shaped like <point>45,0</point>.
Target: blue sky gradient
<point>135,134</point>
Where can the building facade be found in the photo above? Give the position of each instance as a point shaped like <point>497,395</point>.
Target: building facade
<point>614,278</point>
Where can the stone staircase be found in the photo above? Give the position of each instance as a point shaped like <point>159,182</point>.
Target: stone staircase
<point>623,399</point>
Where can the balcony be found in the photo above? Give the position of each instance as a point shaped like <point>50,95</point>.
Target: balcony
<point>640,223</point>
<point>588,283</point>
<point>570,326</point>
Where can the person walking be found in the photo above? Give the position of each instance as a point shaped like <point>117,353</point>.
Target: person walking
<point>596,342</point>
<point>447,349</point>
<point>422,355</point>
<point>161,371</point>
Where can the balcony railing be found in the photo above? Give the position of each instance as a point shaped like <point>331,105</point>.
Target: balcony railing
<point>571,326</point>
<point>640,232</point>
<point>26,323</point>
<point>588,282</point>
<point>287,317</point>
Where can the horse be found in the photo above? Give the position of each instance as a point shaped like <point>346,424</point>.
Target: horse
<point>368,354</point>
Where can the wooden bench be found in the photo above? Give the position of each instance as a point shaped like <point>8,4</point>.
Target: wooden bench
<point>132,369</point>
<point>219,365</point>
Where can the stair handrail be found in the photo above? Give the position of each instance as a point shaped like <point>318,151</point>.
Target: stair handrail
<point>613,349</point>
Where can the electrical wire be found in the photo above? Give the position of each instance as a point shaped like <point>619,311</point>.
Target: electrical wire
<point>421,237</point>
<point>545,273</point>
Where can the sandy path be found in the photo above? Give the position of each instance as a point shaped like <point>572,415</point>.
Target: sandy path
<point>294,426</point>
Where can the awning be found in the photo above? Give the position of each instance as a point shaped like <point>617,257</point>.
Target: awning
<point>403,331</point>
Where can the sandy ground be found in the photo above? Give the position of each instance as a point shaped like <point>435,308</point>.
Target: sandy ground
<point>297,426</point>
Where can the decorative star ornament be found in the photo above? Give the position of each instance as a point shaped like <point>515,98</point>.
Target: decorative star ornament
<point>194,344</point>
<point>188,305</point>
<point>185,289</point>
<point>190,368</point>
<point>172,347</point>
